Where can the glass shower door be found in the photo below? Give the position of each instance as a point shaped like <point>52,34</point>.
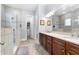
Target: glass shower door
<point>0,28</point>
<point>7,35</point>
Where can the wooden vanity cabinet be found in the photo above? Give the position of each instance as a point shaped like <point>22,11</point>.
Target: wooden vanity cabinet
<point>58,46</point>
<point>72,49</point>
<point>46,41</point>
<point>49,44</point>
<point>43,40</point>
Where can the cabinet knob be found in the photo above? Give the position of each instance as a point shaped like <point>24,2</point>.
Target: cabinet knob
<point>62,50</point>
<point>68,53</point>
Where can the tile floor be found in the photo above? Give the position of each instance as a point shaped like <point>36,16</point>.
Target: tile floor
<point>29,47</point>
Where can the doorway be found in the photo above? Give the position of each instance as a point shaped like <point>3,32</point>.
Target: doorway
<point>28,30</point>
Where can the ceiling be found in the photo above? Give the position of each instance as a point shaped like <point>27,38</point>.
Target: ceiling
<point>67,8</point>
<point>27,7</point>
<point>32,7</point>
<point>48,7</point>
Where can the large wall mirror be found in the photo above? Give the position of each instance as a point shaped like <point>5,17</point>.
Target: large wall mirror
<point>68,22</point>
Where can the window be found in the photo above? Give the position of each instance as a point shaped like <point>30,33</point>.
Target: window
<point>67,22</point>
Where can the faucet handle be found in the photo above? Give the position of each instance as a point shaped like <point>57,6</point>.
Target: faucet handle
<point>2,43</point>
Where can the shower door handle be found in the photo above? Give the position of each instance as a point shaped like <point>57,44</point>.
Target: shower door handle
<point>2,43</point>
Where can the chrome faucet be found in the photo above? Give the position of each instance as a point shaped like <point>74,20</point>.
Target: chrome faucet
<point>75,34</point>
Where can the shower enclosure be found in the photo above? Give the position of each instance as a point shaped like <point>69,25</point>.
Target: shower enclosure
<point>8,33</point>
<point>13,29</point>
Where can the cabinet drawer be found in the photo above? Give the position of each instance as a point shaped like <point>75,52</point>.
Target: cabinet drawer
<point>70,52</point>
<point>59,42</point>
<point>49,42</point>
<point>49,38</point>
<point>72,49</point>
<point>55,45</point>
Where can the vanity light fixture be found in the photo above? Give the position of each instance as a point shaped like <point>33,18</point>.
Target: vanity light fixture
<point>42,22</point>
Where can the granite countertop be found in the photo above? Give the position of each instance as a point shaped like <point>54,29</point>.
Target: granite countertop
<point>62,36</point>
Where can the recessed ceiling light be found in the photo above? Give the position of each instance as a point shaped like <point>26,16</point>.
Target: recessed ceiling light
<point>50,14</point>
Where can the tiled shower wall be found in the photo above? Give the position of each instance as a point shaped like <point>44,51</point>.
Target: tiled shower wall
<point>6,34</point>
<point>7,31</point>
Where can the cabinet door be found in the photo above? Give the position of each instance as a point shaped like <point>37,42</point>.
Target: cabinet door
<point>49,41</point>
<point>43,40</point>
<point>58,47</point>
<point>49,48</point>
<point>72,49</point>
<point>40,38</point>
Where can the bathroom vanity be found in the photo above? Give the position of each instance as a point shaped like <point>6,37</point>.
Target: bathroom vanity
<point>59,44</point>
